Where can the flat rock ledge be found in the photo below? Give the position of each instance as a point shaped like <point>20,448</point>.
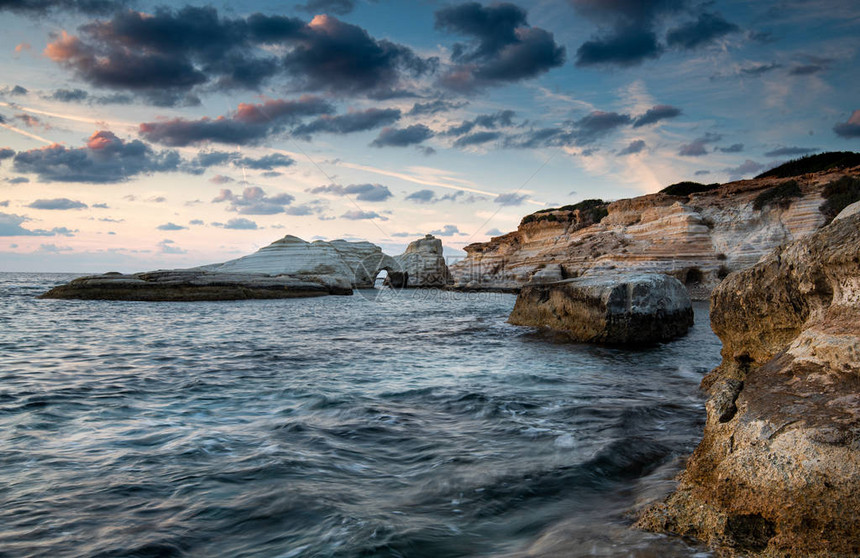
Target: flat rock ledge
<point>609,308</point>
<point>195,285</point>
<point>777,472</point>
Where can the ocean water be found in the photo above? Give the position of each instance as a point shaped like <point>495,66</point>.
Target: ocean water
<point>413,424</point>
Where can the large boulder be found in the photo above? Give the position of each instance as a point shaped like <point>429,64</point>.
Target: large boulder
<point>424,264</point>
<point>778,470</point>
<point>625,309</point>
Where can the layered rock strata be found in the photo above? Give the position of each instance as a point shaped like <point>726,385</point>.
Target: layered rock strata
<point>622,309</point>
<point>698,238</point>
<point>424,264</point>
<point>778,470</point>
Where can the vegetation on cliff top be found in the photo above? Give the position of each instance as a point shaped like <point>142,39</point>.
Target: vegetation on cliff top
<point>840,194</point>
<point>687,187</point>
<point>778,195</point>
<point>814,163</point>
<point>590,210</point>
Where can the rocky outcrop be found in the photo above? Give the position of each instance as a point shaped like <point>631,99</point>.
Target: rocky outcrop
<point>778,470</point>
<point>623,309</point>
<point>287,268</point>
<point>424,264</point>
<point>698,238</point>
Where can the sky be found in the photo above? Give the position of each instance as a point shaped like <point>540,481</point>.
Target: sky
<point>138,135</point>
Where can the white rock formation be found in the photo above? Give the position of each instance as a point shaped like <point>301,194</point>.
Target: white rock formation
<point>424,263</point>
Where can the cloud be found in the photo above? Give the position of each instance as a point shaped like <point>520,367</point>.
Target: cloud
<point>105,159</point>
<point>166,55</point>
<point>337,7</point>
<point>491,121</point>
<point>248,124</point>
<point>166,246</point>
<point>806,69</point>
<point>240,224</point>
<point>655,114</point>
<point>221,179</point>
<point>53,248</point>
<point>511,198</point>
<point>494,232</point>
<point>402,137</point>
<point>69,95</point>
<point>266,162</point>
<point>10,225</point>
<point>353,121</point>
<point>734,148</point>
<point>254,201</point>
<point>503,48</point>
<point>627,46</point>
<point>362,192</point>
<point>60,204</point>
<point>746,168</point>
<point>196,222</point>
<point>706,29</point>
<point>448,230</point>
<point>850,129</point>
<point>702,172</point>
<point>759,69</point>
<point>41,7</point>
<point>357,215</point>
<point>477,138</point>
<point>171,227</point>
<point>635,146</point>
<point>429,196</point>
<point>434,107</point>
<point>790,151</point>
<point>6,152</point>
<point>18,180</point>
<point>696,148</point>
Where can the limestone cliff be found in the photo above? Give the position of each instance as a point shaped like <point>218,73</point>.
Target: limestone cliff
<point>697,237</point>
<point>778,470</point>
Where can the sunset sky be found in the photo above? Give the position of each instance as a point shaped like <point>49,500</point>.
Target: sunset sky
<point>136,136</point>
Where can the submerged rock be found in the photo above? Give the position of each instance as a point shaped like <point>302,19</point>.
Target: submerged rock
<point>424,264</point>
<point>778,470</point>
<point>625,309</point>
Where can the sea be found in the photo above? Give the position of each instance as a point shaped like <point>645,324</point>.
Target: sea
<point>413,423</point>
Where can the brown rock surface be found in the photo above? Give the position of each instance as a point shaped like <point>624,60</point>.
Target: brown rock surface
<point>778,470</point>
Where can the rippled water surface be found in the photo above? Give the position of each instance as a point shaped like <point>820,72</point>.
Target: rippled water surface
<point>419,424</point>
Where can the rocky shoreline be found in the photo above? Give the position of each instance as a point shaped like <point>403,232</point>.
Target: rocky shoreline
<point>777,472</point>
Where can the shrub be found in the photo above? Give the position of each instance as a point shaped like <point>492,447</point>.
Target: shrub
<point>814,163</point>
<point>686,188</point>
<point>593,210</point>
<point>840,194</point>
<point>778,195</point>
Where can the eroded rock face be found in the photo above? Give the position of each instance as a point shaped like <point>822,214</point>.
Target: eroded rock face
<point>625,309</point>
<point>424,263</point>
<point>778,470</point>
<point>698,238</point>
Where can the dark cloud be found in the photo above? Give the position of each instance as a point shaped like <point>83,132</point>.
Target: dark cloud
<point>249,124</point>
<point>511,198</point>
<point>171,227</point>
<point>746,168</point>
<point>18,90</point>
<point>240,224</point>
<point>635,146</point>
<point>448,230</point>
<point>850,129</point>
<point>208,159</point>
<point>100,206</point>
<point>41,7</point>
<point>696,148</point>
<point>627,46</point>
<point>6,152</point>
<point>362,192</point>
<point>734,148</point>
<point>655,114</point>
<point>584,131</point>
<point>790,151</point>
<point>434,107</point>
<point>702,172</point>
<point>337,7</point>
<point>429,196</point>
<point>353,121</point>
<point>166,246</point>
<point>478,138</point>
<point>10,225</point>
<point>358,215</point>
<point>402,137</point>
<point>69,95</point>
<point>494,232</point>
<point>254,201</point>
<point>166,55</point>
<point>705,30</point>
<point>18,180</point>
<point>266,162</point>
<point>60,204</point>
<point>759,69</point>
<point>196,222</point>
<point>806,69</point>
<point>105,158</point>
<point>598,123</point>
<point>491,121</point>
<point>503,49</point>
